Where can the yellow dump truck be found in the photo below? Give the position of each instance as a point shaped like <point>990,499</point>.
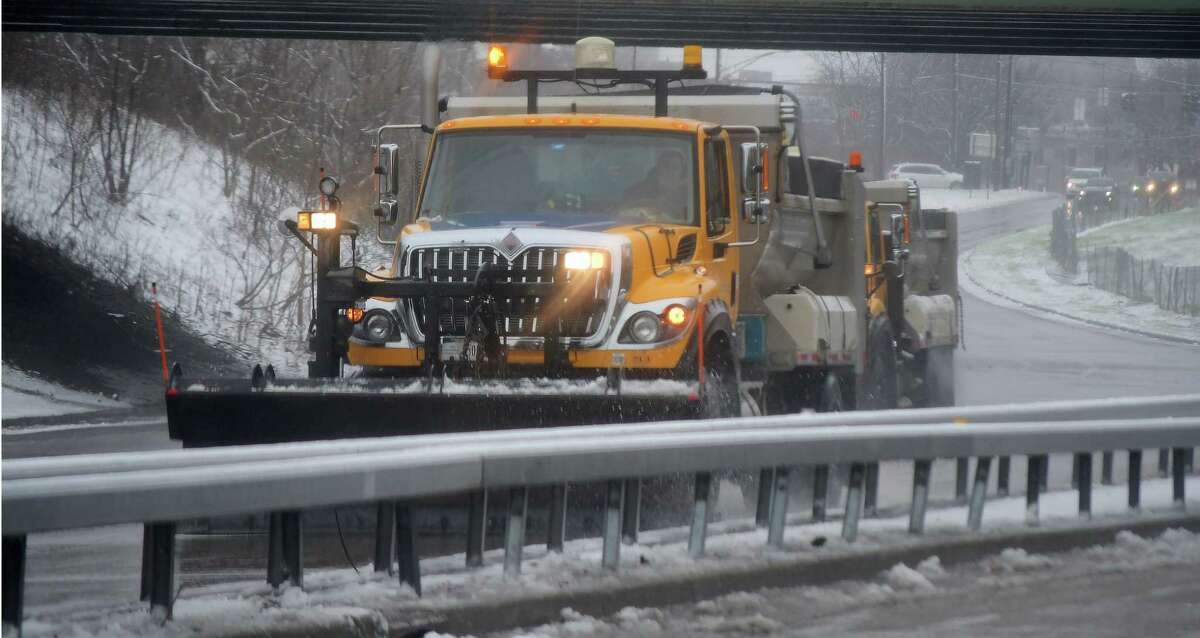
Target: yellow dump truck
<point>609,257</point>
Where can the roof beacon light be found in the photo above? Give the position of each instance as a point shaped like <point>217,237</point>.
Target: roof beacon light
<point>693,56</point>
<point>856,161</point>
<point>497,57</point>
<point>595,53</point>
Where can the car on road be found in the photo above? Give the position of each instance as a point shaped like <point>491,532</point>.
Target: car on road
<point>1078,177</point>
<point>927,175</point>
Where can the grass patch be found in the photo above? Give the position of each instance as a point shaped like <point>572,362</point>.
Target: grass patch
<point>1171,238</point>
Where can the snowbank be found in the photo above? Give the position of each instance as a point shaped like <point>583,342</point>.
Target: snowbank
<point>964,201</point>
<point>26,395</point>
<point>1016,270</point>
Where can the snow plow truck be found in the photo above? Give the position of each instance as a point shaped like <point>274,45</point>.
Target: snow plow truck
<point>606,257</point>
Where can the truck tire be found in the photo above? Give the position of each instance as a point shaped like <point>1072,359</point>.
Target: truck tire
<point>880,389</point>
<point>722,397</point>
<point>939,377</point>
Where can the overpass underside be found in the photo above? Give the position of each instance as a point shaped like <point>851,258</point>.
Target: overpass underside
<point>1146,28</point>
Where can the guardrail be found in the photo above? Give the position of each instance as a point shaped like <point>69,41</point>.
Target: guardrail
<point>158,488</point>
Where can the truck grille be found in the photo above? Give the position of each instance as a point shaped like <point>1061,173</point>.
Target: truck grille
<point>523,316</point>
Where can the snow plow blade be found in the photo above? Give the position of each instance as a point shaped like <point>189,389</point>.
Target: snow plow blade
<point>215,412</point>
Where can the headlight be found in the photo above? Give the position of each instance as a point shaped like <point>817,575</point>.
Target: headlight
<point>328,185</point>
<point>1135,188</point>
<point>307,220</point>
<point>644,327</point>
<point>1174,188</point>
<point>583,260</point>
<point>1108,193</point>
<point>377,326</point>
<point>1150,187</point>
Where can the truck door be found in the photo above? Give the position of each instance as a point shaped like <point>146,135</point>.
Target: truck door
<point>719,225</point>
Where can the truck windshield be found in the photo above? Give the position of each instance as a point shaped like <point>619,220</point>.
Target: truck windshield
<point>565,178</point>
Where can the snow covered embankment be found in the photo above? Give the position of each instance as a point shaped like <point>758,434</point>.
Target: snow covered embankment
<point>204,233</point>
<point>25,395</point>
<point>1017,270</point>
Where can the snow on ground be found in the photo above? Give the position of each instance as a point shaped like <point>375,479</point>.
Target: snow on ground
<point>1017,269</point>
<point>811,610</point>
<point>1170,238</point>
<point>659,556</point>
<point>965,201</point>
<point>217,263</point>
<point>26,395</point>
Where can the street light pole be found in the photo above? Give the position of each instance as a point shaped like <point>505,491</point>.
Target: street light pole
<point>954,118</point>
<point>1008,128</point>
<point>882,115</point>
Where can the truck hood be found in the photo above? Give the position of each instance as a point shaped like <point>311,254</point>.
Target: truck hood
<point>588,222</point>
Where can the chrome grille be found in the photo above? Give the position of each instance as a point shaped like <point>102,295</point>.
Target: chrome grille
<point>523,316</point>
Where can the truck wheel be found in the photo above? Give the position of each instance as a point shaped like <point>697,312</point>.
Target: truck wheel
<point>939,376</point>
<point>880,391</point>
<point>721,392</point>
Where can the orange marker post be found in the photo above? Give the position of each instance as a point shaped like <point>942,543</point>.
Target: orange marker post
<point>162,342</point>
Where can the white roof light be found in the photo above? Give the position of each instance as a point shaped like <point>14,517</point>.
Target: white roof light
<point>595,53</point>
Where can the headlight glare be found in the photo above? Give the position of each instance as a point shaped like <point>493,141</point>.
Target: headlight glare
<point>583,260</point>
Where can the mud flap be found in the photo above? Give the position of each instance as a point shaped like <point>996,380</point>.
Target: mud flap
<point>214,412</point>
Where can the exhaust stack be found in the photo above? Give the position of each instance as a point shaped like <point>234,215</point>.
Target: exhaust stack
<point>431,65</point>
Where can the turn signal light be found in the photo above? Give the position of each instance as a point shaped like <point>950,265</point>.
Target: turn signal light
<point>355,315</point>
<point>675,315</point>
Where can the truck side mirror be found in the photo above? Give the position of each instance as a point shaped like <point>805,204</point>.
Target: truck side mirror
<point>387,187</point>
<point>755,201</point>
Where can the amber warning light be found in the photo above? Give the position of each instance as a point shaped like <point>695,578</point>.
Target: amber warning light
<point>497,57</point>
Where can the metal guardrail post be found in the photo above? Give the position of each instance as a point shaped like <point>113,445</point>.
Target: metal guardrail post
<point>162,570</point>
<point>476,527</point>
<point>514,530</point>
<point>983,466</point>
<point>1163,462</point>
<point>1084,461</point>
<point>14,581</point>
<point>1075,471</point>
<point>631,511</point>
<point>385,530</point>
<point>611,557</point>
<point>556,533</point>
<point>408,565</point>
<point>1003,469</point>
<point>854,499</point>
<point>871,490</point>
<point>699,529</point>
<point>1033,491</point>
<point>1178,470</point>
<point>1135,479</point>
<point>275,570</point>
<point>293,546</point>
<point>961,471</point>
<point>779,507</point>
<point>922,468</point>
<point>766,489</point>
<point>147,560</point>
<point>1044,478</point>
<point>820,492</point>
<point>1106,468</point>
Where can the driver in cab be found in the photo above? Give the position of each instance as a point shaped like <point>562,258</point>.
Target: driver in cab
<point>662,195</point>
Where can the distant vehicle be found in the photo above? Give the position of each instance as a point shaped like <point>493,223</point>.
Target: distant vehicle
<point>927,175</point>
<point>1095,198</point>
<point>1158,191</point>
<point>1077,177</point>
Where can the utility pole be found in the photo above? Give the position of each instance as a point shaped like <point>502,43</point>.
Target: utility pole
<point>1008,129</point>
<point>717,75</point>
<point>996,129</point>
<point>882,115</point>
<point>954,118</point>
